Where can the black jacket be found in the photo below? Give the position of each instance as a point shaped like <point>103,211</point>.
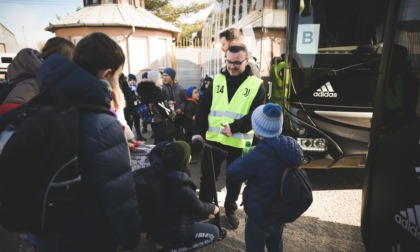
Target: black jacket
<point>181,204</point>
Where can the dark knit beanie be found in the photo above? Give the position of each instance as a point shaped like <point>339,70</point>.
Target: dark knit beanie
<point>171,72</point>
<point>267,120</point>
<point>176,155</point>
<point>144,75</point>
<point>131,77</point>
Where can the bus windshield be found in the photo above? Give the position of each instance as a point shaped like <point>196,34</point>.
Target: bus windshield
<point>334,26</point>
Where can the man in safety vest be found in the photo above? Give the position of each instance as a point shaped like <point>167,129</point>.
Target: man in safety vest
<point>224,120</point>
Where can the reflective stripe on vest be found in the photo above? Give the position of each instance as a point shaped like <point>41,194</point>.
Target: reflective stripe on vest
<point>224,112</point>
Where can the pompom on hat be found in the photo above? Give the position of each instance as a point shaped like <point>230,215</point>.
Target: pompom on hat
<point>267,120</point>
<point>171,72</point>
<point>176,155</point>
<point>189,91</point>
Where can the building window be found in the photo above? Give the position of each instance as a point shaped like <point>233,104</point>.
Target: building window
<point>163,51</point>
<point>139,54</point>
<point>280,4</point>
<point>109,1</point>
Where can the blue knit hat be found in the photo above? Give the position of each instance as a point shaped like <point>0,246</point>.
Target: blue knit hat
<point>189,91</point>
<point>171,72</point>
<point>131,77</point>
<point>144,75</point>
<point>267,120</point>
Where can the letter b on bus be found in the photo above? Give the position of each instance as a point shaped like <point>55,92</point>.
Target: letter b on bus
<point>307,38</point>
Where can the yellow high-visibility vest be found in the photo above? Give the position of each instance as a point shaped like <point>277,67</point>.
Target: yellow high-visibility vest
<point>223,111</point>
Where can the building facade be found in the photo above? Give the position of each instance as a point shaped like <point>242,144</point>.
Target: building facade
<point>146,40</point>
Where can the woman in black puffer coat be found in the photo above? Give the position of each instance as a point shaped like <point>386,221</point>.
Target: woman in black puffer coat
<point>162,125</point>
<point>178,230</point>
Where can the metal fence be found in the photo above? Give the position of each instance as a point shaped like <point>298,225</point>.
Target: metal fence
<point>188,42</point>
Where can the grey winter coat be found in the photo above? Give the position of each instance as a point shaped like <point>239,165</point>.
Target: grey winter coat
<point>22,70</point>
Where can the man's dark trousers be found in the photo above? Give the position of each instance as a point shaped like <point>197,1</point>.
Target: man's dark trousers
<point>207,186</point>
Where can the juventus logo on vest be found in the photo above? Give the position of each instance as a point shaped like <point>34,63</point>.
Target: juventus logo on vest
<point>246,92</point>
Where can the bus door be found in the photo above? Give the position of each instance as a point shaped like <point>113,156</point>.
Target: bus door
<point>391,193</point>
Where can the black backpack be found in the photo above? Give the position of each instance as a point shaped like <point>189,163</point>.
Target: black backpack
<point>40,184</point>
<point>150,185</point>
<point>294,197</point>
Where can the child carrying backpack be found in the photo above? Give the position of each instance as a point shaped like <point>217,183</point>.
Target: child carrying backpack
<point>103,216</point>
<point>263,174</point>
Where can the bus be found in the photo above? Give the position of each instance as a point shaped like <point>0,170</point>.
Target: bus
<point>351,99</point>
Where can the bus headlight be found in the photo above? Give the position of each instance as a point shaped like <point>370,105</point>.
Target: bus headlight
<point>313,144</point>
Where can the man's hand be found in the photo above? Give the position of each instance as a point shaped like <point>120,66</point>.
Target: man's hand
<point>226,130</point>
<point>216,210</point>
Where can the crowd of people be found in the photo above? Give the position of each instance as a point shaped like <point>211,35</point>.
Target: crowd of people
<point>220,112</point>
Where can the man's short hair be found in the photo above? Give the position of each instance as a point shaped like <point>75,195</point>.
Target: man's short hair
<point>238,48</point>
<point>231,34</point>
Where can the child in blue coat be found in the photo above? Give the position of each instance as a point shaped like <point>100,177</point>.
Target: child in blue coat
<point>263,175</point>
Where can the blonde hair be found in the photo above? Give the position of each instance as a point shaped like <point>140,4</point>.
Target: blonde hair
<point>118,100</point>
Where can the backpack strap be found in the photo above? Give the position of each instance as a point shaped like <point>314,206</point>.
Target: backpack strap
<point>92,107</point>
<point>278,161</point>
<point>53,95</point>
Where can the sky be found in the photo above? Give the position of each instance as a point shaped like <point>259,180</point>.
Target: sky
<point>27,19</point>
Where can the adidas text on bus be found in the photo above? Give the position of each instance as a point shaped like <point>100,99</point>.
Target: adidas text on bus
<point>412,228</point>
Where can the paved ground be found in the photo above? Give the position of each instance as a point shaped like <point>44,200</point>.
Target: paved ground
<point>332,223</point>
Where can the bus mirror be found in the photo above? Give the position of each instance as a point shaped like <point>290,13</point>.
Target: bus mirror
<point>305,8</point>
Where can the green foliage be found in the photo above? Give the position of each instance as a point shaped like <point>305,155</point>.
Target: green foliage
<point>171,13</point>
<point>188,29</point>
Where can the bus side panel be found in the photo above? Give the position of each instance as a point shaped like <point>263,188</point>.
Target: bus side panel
<point>393,222</point>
